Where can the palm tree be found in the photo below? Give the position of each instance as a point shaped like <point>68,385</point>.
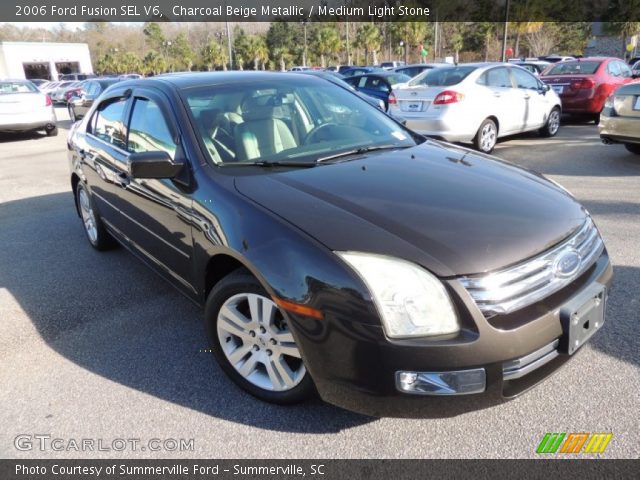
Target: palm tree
<point>260,51</point>
<point>154,63</point>
<point>326,41</point>
<point>213,54</point>
<point>370,39</point>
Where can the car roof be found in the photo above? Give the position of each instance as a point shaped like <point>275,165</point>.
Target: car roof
<point>188,80</point>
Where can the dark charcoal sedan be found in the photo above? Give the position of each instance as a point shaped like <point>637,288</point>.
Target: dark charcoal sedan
<point>333,249</point>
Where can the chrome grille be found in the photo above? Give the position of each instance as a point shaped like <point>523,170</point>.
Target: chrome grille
<point>522,285</point>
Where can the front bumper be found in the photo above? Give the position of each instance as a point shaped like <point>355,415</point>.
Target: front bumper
<point>356,367</point>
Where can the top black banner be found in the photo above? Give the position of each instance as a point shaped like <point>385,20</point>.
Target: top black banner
<point>320,10</point>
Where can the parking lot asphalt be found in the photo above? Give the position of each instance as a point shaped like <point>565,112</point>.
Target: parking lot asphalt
<point>96,346</point>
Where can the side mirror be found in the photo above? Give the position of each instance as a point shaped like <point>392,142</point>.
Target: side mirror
<point>545,88</point>
<point>156,164</point>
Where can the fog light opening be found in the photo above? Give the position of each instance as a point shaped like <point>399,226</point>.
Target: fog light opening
<point>461,382</point>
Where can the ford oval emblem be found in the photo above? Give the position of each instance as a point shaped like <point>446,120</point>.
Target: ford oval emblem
<point>567,263</point>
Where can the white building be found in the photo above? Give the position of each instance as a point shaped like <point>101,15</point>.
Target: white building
<point>43,59</point>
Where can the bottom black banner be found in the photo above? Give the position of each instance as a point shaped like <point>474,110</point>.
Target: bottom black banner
<point>314,469</point>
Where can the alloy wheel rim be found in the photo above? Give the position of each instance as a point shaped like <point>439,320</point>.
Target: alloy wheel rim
<point>488,137</point>
<point>258,343</point>
<point>88,217</point>
<point>554,122</point>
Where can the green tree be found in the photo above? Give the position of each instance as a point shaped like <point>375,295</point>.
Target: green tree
<point>370,39</point>
<point>154,35</point>
<point>281,40</point>
<point>259,51</point>
<point>154,63</point>
<point>214,55</point>
<point>181,53</point>
<point>325,42</point>
<point>241,47</point>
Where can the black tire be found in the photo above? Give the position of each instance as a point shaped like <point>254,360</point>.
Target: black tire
<point>102,240</point>
<point>483,143</point>
<point>552,126</point>
<point>633,147</point>
<point>233,285</point>
<point>596,118</point>
<point>51,132</point>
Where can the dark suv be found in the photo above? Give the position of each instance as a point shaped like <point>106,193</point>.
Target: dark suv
<point>335,250</point>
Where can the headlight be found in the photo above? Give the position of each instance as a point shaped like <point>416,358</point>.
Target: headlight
<point>410,300</point>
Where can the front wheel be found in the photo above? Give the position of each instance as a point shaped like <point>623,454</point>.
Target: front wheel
<point>487,136</point>
<point>633,147</point>
<point>552,126</point>
<point>96,233</point>
<point>251,341</point>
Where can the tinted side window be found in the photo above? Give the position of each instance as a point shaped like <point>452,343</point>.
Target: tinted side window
<point>352,81</point>
<point>107,124</point>
<point>148,130</point>
<point>524,79</point>
<point>498,77</point>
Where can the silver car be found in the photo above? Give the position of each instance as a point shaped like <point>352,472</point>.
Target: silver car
<point>24,108</point>
<point>620,118</point>
<point>476,103</point>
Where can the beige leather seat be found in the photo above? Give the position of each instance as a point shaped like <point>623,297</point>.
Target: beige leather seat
<point>261,134</point>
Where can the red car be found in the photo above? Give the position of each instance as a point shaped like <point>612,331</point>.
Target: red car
<point>584,84</point>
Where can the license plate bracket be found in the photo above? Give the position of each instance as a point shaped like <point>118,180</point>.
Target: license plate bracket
<point>581,317</point>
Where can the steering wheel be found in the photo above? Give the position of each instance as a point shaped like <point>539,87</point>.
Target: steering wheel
<point>311,135</point>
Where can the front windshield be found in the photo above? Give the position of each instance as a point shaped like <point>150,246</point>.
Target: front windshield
<point>288,121</point>
<point>442,77</point>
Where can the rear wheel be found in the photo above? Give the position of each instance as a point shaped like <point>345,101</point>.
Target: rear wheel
<point>633,147</point>
<point>487,136</point>
<point>251,341</point>
<point>552,126</point>
<point>596,118</point>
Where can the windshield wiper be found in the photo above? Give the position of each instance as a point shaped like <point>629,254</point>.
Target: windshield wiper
<point>359,151</point>
<point>262,163</point>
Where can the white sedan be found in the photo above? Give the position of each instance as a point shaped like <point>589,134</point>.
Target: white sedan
<point>476,103</point>
<point>25,108</point>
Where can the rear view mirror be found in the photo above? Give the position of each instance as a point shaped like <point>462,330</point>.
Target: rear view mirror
<point>156,164</point>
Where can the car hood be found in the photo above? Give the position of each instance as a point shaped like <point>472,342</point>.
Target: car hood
<point>446,208</point>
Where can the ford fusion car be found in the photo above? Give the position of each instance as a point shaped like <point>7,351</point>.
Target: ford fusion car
<point>336,251</point>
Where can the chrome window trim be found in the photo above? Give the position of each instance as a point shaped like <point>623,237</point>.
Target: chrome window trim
<point>522,285</point>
